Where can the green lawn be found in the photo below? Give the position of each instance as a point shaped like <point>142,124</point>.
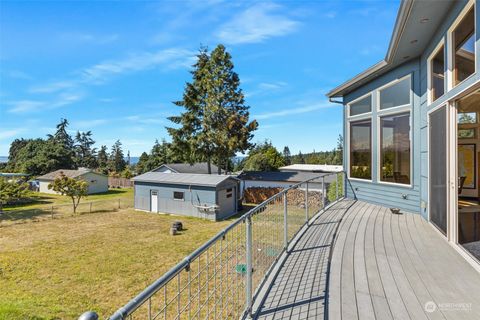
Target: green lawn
<point>57,269</point>
<point>41,200</point>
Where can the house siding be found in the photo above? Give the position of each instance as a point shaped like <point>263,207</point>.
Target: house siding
<point>414,198</point>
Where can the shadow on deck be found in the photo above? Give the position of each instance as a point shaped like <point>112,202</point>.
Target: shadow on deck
<point>383,266</point>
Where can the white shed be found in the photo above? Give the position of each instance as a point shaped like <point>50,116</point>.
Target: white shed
<point>97,182</point>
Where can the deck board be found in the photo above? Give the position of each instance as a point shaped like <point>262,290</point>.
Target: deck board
<point>383,266</point>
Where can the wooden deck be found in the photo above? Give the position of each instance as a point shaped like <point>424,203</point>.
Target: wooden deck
<point>383,266</point>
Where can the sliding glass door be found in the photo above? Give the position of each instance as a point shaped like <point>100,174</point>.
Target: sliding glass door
<point>438,168</point>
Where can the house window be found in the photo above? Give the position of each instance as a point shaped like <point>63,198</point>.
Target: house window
<point>463,37</point>
<point>395,148</point>
<point>361,149</point>
<point>467,117</point>
<point>178,195</point>
<point>395,95</point>
<point>466,133</point>
<point>437,74</point>
<point>361,106</point>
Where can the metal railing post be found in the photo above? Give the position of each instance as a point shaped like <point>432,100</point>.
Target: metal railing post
<point>306,203</point>
<point>285,222</point>
<point>336,186</point>
<point>323,191</point>
<point>249,284</point>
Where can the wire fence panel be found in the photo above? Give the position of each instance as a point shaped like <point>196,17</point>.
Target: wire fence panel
<point>221,278</point>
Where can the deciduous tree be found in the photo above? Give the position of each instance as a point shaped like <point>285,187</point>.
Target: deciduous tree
<point>76,189</point>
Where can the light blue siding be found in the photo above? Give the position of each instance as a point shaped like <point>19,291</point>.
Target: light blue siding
<point>417,195</point>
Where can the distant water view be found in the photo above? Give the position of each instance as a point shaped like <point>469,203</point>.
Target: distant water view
<point>133,160</point>
<point>3,159</point>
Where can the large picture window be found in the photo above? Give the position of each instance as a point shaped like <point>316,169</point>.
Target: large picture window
<point>361,149</point>
<point>395,148</point>
<point>464,47</point>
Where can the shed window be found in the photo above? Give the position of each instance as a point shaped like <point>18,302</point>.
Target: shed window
<point>437,76</point>
<point>361,106</point>
<point>395,148</point>
<point>464,46</point>
<point>467,117</point>
<point>395,95</point>
<point>361,149</point>
<point>229,192</point>
<point>178,195</point>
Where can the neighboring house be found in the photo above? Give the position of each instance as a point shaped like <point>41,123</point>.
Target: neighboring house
<point>312,168</point>
<point>412,120</point>
<point>281,179</point>
<point>200,168</point>
<point>14,176</point>
<point>209,196</point>
<point>97,182</point>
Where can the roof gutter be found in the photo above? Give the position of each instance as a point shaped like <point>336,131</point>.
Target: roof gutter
<point>400,24</point>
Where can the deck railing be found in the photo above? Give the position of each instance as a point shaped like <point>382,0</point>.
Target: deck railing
<point>222,278</point>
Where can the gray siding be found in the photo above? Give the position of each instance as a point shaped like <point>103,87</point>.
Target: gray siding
<point>193,195</point>
<point>417,195</point>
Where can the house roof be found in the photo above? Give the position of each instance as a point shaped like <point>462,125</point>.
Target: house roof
<point>280,176</point>
<point>312,168</point>
<point>199,167</point>
<point>210,180</point>
<point>69,173</point>
<point>416,23</point>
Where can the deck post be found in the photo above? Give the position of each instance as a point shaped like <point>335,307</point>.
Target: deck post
<point>323,191</point>
<point>336,186</point>
<point>285,222</point>
<point>306,203</point>
<point>249,280</point>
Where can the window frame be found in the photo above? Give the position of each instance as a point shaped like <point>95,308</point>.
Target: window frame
<point>405,110</point>
<point>350,121</point>
<point>430,71</point>
<point>392,83</point>
<point>366,114</point>
<point>183,195</point>
<point>451,48</point>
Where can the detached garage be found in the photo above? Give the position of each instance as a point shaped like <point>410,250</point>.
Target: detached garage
<point>208,196</point>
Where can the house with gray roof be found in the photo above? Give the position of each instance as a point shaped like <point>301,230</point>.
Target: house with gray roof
<point>97,182</point>
<point>209,196</point>
<point>199,167</point>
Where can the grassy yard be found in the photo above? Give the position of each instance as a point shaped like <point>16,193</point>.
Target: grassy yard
<point>57,269</point>
<point>40,200</point>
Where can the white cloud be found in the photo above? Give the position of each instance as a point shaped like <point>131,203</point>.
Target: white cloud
<point>27,106</point>
<point>6,134</point>
<point>291,111</point>
<point>256,24</point>
<point>88,38</point>
<point>52,87</point>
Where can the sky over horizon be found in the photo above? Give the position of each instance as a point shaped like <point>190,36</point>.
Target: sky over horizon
<point>114,67</point>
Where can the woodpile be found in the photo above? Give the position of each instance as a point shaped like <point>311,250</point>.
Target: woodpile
<point>257,195</point>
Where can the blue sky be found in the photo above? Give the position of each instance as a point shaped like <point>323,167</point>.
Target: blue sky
<point>114,67</point>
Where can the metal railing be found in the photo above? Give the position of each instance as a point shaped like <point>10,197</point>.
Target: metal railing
<point>221,279</point>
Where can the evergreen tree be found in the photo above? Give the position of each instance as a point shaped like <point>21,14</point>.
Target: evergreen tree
<point>287,156</point>
<point>61,136</point>
<point>85,154</point>
<point>158,156</point>
<point>102,159</point>
<point>215,124</point>
<point>117,160</point>
<point>142,164</point>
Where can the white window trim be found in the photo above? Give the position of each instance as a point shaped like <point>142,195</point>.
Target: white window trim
<point>362,115</point>
<point>451,47</point>
<point>392,83</point>
<point>429,71</point>
<point>379,148</point>
<point>349,149</point>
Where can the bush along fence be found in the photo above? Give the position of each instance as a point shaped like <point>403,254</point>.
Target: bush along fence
<point>223,277</point>
<point>63,210</point>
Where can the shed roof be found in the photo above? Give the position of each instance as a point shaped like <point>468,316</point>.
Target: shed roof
<point>199,167</point>
<point>312,168</point>
<point>417,21</point>
<point>210,180</point>
<point>285,176</point>
<point>67,172</point>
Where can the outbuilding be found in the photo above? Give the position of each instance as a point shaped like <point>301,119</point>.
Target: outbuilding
<point>97,182</point>
<point>209,196</point>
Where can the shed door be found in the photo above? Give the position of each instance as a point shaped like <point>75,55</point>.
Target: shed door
<point>154,201</point>
<point>438,168</point>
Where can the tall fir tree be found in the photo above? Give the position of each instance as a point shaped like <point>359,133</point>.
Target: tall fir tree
<point>287,155</point>
<point>102,159</point>
<point>85,155</point>
<point>117,160</point>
